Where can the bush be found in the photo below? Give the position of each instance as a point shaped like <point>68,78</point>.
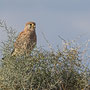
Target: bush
<point>43,70</point>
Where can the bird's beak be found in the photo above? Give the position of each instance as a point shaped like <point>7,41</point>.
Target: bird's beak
<point>33,26</point>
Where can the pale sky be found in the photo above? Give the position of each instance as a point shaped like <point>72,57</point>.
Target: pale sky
<point>67,18</point>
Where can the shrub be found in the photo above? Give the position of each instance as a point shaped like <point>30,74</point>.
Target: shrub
<point>43,70</point>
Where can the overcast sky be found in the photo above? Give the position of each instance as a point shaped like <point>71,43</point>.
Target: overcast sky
<point>67,18</point>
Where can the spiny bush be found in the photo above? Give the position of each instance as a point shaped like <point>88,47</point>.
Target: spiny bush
<point>43,70</point>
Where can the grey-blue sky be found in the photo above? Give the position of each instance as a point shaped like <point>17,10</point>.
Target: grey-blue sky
<point>68,18</point>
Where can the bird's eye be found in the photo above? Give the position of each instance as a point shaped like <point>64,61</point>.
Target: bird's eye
<point>30,24</point>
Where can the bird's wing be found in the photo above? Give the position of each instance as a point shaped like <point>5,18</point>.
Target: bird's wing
<point>20,39</point>
<point>19,42</point>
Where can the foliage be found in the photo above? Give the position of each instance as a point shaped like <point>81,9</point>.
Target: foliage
<point>7,46</point>
<point>44,70</point>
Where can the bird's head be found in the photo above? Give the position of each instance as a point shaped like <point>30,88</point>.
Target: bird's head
<point>30,26</point>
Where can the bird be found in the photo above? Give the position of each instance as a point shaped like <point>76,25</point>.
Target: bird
<point>26,40</point>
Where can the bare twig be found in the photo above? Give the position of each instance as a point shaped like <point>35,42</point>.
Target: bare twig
<point>50,46</point>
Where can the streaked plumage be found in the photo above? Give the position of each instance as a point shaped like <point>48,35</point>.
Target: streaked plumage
<point>26,40</point>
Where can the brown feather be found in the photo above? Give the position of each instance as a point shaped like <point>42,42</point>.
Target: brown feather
<point>25,41</point>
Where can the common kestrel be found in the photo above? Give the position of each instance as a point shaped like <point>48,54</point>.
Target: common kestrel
<point>26,40</point>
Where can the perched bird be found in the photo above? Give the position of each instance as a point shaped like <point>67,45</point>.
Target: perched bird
<point>26,40</point>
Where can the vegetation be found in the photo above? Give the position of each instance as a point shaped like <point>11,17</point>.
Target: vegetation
<point>42,70</point>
